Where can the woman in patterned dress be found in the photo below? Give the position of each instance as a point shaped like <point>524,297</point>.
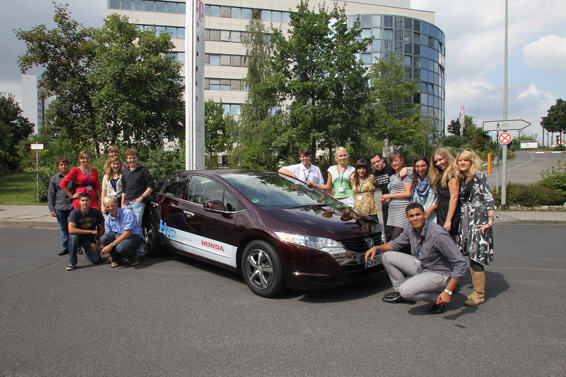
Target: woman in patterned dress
<point>339,178</point>
<point>363,185</point>
<point>399,195</point>
<point>476,221</point>
<point>444,180</point>
<point>421,192</point>
<point>85,179</point>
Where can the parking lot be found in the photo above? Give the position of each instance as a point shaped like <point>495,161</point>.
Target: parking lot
<point>174,316</point>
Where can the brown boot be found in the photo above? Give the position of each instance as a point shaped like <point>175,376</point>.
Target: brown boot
<point>471,273</point>
<point>478,296</point>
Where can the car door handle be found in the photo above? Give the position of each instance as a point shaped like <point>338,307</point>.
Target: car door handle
<point>188,213</point>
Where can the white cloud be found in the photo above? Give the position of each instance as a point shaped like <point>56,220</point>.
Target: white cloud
<point>547,53</point>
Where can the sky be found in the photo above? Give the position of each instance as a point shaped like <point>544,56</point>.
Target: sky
<point>474,31</point>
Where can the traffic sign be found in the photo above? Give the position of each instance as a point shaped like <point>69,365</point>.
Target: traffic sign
<point>505,125</point>
<point>505,138</point>
<point>36,146</point>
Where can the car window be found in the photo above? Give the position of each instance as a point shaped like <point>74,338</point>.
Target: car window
<point>175,187</point>
<point>202,189</point>
<point>271,190</point>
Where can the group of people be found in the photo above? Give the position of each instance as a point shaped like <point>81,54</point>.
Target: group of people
<point>75,197</point>
<point>433,214</point>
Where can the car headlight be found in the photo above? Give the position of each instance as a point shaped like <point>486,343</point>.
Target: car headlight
<point>332,247</point>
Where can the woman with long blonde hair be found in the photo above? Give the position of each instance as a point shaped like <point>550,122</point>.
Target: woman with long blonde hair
<point>444,180</point>
<point>112,180</point>
<point>476,232</point>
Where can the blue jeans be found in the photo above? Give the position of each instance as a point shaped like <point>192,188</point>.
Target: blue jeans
<point>127,248</point>
<point>63,220</point>
<point>138,210</point>
<point>76,241</point>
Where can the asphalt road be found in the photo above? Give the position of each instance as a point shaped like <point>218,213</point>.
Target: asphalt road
<point>178,317</point>
<point>526,167</point>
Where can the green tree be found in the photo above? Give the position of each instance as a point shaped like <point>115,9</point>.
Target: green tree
<point>474,137</point>
<point>66,53</point>
<point>317,79</point>
<point>111,82</point>
<point>218,127</point>
<point>392,113</point>
<point>138,84</point>
<point>555,120</point>
<point>256,136</point>
<point>14,128</point>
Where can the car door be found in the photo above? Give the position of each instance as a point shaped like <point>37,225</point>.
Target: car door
<point>208,234</point>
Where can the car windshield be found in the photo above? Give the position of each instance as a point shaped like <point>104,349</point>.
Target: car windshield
<point>272,190</point>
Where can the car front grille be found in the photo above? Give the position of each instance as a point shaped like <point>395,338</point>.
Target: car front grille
<point>360,244</point>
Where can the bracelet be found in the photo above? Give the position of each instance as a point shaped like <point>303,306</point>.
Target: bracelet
<point>113,243</point>
<point>489,216</point>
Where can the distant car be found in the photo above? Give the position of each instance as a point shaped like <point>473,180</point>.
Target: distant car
<point>273,229</point>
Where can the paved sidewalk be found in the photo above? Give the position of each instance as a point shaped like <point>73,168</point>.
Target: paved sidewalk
<point>39,217</point>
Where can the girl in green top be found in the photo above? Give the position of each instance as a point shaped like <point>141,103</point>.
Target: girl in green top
<point>339,178</point>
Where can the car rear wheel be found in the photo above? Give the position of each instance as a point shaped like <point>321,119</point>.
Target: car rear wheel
<point>152,243</point>
<point>262,269</point>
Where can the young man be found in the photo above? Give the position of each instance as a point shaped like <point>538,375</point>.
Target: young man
<point>305,171</point>
<point>433,270</point>
<point>86,227</point>
<point>137,184</point>
<point>123,234</point>
<point>382,174</point>
<point>60,205</point>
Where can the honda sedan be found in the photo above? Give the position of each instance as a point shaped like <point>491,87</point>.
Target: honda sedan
<point>276,231</point>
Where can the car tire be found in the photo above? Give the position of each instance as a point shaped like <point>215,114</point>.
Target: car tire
<point>262,269</point>
<point>152,243</point>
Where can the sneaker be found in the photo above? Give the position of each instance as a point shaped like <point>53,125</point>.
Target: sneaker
<point>71,267</point>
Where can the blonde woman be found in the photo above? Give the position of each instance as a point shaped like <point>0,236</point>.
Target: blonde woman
<point>339,178</point>
<point>476,233</point>
<point>444,180</point>
<point>112,180</point>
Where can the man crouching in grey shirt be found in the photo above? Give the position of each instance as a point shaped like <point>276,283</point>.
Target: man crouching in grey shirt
<point>433,269</point>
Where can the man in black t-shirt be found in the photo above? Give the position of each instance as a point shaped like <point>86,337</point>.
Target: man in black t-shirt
<point>86,227</point>
<point>382,174</point>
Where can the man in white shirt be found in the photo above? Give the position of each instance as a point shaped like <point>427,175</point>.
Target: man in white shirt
<point>305,171</point>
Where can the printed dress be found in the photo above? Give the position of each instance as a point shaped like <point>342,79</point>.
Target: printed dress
<point>476,200</point>
<point>364,200</point>
<point>397,216</point>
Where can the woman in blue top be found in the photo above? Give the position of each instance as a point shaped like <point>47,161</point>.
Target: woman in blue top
<point>339,178</point>
<point>421,191</point>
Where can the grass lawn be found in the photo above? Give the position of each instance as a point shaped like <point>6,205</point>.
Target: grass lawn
<point>19,189</point>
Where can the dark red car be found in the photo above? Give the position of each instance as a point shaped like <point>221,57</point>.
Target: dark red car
<point>273,229</point>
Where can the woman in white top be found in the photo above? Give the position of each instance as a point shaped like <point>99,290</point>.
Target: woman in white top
<point>339,178</point>
<point>112,180</point>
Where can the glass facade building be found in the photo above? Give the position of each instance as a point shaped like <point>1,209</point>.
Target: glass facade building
<point>393,27</point>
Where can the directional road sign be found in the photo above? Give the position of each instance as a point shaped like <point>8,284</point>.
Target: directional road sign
<point>505,138</point>
<point>505,125</point>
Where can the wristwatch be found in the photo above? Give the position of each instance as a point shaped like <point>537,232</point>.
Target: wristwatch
<point>449,292</point>
<point>113,243</point>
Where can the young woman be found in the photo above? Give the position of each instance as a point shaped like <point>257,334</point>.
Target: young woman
<point>85,179</point>
<point>112,180</point>
<point>363,185</point>
<point>444,180</point>
<point>399,195</point>
<point>339,178</point>
<point>476,233</point>
<point>421,192</point>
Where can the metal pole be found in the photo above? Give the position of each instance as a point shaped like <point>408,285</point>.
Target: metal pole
<point>504,175</point>
<point>37,173</point>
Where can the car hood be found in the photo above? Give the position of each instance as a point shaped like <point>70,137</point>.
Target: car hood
<point>321,221</point>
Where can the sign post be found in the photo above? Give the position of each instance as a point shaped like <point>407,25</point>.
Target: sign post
<point>37,147</point>
<point>504,138</point>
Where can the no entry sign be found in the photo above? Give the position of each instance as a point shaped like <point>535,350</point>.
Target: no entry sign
<point>505,138</point>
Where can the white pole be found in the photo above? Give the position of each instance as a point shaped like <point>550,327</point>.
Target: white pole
<point>504,175</point>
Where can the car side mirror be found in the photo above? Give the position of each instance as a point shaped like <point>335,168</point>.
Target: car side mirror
<point>214,206</point>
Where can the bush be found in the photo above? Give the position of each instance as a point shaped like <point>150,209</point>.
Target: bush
<point>534,195</point>
<point>555,177</point>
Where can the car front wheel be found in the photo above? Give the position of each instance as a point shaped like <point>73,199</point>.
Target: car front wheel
<point>262,269</point>
<point>152,244</point>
